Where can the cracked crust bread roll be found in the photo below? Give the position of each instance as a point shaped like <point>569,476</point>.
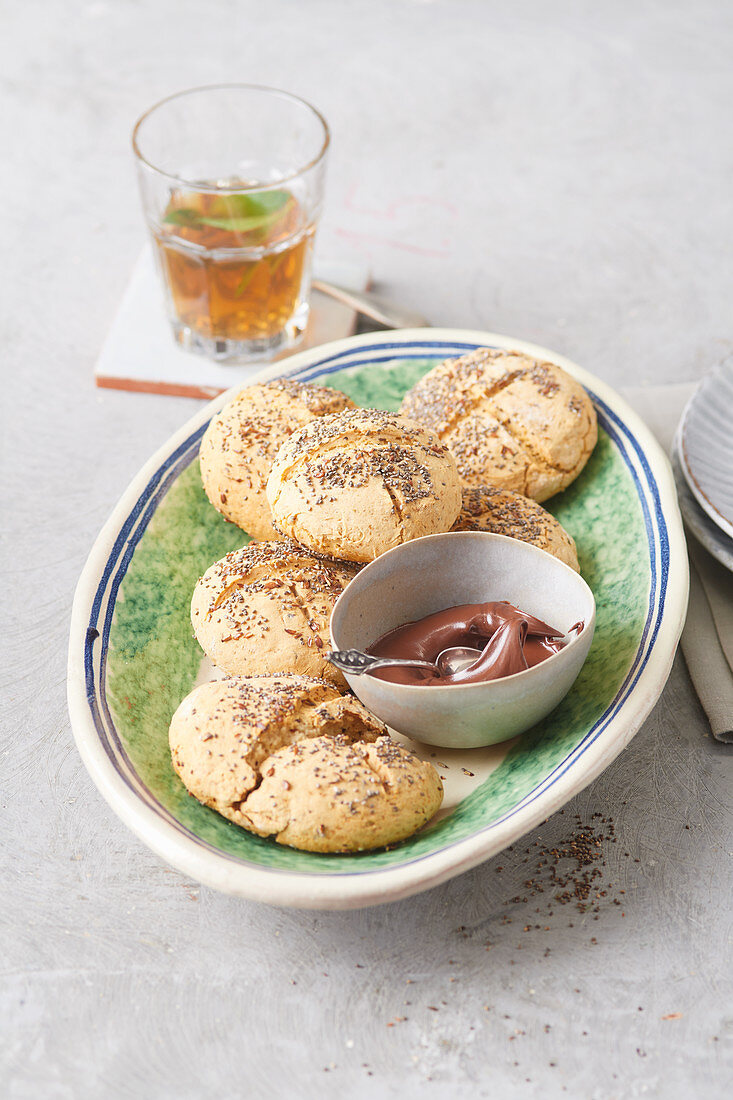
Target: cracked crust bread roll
<point>266,607</point>
<point>240,443</point>
<point>511,421</point>
<point>358,483</point>
<point>505,513</point>
<point>335,795</point>
<point>290,757</point>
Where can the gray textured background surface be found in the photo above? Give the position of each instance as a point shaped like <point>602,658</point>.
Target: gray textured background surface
<point>561,173</point>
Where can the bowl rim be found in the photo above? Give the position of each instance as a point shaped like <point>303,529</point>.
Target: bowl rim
<point>487,684</point>
<point>352,889</point>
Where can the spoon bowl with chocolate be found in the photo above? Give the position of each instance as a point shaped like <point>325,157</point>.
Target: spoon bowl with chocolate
<point>484,636</point>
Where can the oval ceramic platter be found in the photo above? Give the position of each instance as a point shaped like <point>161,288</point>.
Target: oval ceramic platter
<point>133,658</point>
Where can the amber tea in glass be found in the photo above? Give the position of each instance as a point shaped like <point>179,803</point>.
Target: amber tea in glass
<point>233,225</point>
<point>234,264</point>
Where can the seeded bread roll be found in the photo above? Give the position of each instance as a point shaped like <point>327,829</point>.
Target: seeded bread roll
<point>242,440</point>
<point>356,484</point>
<point>266,608</point>
<point>333,795</point>
<point>289,756</point>
<point>505,513</point>
<point>511,421</point>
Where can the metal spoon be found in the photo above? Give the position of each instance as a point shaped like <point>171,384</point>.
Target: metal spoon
<point>358,663</point>
<point>451,660</point>
<point>371,305</point>
<point>456,658</point>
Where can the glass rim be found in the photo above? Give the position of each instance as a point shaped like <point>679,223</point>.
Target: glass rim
<point>230,87</point>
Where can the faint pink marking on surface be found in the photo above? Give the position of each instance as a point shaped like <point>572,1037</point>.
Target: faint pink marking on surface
<point>371,237</point>
<point>390,211</point>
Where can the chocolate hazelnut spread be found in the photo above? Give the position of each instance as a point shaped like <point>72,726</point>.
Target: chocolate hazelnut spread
<point>506,639</point>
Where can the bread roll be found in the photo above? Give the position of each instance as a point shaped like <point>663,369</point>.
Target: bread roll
<point>266,608</point>
<point>356,484</point>
<point>289,756</point>
<point>505,513</point>
<point>242,440</point>
<point>511,421</point>
<point>335,795</point>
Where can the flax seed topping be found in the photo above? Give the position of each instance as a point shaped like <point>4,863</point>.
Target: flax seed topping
<point>289,757</point>
<point>239,445</point>
<point>512,421</point>
<point>359,482</point>
<point>266,608</point>
<point>505,513</point>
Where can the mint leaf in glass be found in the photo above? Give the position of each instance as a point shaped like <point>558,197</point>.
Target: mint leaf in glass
<point>184,216</point>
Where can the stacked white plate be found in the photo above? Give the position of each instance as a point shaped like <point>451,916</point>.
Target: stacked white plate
<point>703,464</point>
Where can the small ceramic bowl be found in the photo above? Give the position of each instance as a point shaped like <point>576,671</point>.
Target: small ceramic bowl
<point>441,571</point>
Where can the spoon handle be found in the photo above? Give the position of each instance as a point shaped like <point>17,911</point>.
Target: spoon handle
<point>380,310</point>
<point>358,663</point>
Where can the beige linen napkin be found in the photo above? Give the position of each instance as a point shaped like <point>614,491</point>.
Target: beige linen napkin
<point>707,639</point>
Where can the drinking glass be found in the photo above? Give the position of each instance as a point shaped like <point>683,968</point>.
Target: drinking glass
<point>232,179</point>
